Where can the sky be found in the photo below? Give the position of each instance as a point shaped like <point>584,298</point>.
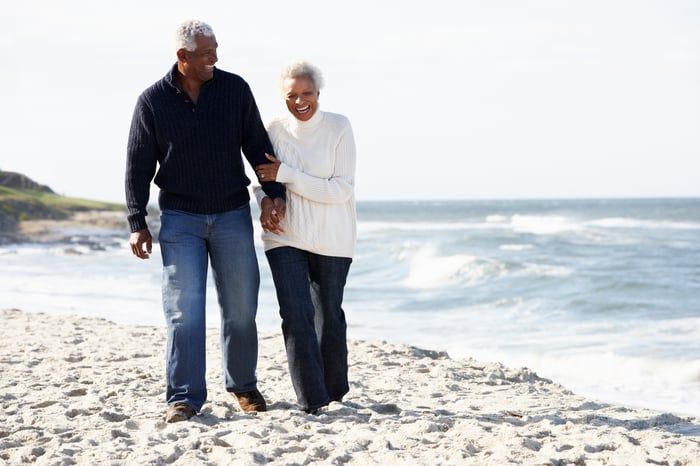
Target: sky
<point>460,99</point>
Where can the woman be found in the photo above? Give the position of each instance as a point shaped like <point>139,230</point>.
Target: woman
<point>310,247</point>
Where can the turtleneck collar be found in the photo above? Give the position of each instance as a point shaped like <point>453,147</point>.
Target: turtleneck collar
<point>309,124</point>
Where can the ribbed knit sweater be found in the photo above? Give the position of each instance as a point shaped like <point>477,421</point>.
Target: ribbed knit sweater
<point>318,169</point>
<point>196,149</point>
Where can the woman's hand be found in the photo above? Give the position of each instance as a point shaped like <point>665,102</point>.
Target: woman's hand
<point>268,172</point>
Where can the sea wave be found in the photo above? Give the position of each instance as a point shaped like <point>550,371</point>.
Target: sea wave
<point>624,222</point>
<point>428,269</point>
<point>532,224</point>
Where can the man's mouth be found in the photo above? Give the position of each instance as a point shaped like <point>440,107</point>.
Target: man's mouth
<point>304,109</point>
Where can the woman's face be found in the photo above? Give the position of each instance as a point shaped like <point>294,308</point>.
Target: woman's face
<point>301,97</point>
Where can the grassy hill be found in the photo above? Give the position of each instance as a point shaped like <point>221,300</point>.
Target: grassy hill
<point>23,199</point>
<point>28,204</point>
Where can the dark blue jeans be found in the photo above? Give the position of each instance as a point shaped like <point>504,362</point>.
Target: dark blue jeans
<point>310,295</point>
<point>188,242</point>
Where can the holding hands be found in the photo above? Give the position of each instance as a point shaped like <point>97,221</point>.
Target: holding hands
<point>272,211</point>
<point>272,215</point>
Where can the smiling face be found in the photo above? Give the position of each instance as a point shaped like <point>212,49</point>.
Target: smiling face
<point>199,64</point>
<point>301,97</point>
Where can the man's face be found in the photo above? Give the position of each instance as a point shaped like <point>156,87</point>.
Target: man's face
<point>199,63</point>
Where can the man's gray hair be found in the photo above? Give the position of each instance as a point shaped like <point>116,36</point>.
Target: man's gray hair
<point>302,69</point>
<point>187,32</point>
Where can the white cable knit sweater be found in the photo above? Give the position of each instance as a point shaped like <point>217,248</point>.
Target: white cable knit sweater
<point>318,169</point>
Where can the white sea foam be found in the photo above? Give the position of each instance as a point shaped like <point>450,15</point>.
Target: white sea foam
<point>428,269</point>
<point>634,381</point>
<point>495,218</point>
<point>545,270</point>
<point>515,247</point>
<point>533,224</point>
<point>543,224</point>
<point>373,227</point>
<point>624,222</point>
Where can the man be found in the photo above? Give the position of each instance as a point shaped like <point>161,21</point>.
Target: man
<point>192,126</point>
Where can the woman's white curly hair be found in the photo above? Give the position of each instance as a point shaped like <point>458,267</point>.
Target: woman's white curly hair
<point>302,69</point>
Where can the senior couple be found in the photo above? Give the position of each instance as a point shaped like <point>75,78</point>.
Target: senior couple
<point>187,134</point>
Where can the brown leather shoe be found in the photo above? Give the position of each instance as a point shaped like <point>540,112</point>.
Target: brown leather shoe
<point>251,401</point>
<point>179,412</point>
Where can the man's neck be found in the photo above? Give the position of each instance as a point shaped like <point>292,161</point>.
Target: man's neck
<point>190,86</point>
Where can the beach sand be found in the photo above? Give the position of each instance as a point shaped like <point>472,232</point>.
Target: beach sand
<point>79,390</point>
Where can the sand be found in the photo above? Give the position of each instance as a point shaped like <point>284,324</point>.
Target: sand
<point>79,390</point>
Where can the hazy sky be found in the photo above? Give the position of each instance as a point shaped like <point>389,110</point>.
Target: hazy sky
<point>460,99</point>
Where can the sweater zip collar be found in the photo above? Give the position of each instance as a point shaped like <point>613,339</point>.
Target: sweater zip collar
<point>172,82</point>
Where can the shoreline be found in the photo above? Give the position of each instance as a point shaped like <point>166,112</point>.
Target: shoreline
<point>44,231</point>
<point>79,390</point>
<point>54,230</point>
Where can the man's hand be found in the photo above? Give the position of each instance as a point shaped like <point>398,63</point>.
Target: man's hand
<point>272,215</point>
<point>138,240</point>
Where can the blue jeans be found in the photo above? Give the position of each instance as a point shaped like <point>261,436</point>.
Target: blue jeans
<point>187,242</point>
<point>310,295</point>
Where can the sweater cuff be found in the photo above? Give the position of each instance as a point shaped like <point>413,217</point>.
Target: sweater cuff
<point>259,194</point>
<point>285,173</point>
<point>275,190</point>
<point>137,223</point>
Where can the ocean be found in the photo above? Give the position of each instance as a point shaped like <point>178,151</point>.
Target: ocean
<point>601,296</point>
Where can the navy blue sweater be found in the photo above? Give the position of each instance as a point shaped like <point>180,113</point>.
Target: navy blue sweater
<point>196,149</point>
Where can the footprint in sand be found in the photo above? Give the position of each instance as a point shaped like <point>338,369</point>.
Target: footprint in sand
<point>77,392</point>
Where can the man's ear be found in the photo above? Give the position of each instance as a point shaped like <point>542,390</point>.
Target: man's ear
<point>181,54</point>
